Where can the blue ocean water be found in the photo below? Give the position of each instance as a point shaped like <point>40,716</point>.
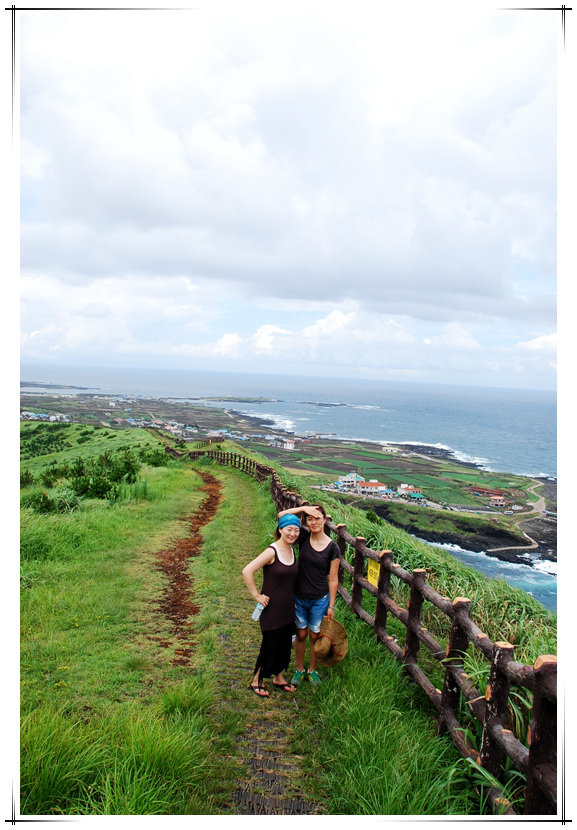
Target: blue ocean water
<point>506,430</point>
<point>503,430</point>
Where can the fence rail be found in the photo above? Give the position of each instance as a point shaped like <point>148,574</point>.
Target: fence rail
<point>538,761</point>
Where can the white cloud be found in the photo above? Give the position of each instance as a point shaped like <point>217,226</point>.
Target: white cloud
<point>336,168</point>
<point>454,336</point>
<point>544,343</point>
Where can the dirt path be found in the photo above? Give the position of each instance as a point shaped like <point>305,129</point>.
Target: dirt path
<point>268,782</point>
<point>177,603</point>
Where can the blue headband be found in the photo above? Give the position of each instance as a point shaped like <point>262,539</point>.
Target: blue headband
<point>289,519</point>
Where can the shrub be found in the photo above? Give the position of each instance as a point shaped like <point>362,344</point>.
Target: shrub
<point>26,479</point>
<point>64,499</point>
<point>154,458</point>
<point>60,500</point>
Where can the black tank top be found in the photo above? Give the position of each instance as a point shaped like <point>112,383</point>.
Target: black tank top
<point>277,584</point>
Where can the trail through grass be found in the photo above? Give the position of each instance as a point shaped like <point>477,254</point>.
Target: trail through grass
<point>111,725</point>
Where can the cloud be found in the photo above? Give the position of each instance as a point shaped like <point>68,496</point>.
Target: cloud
<point>454,336</point>
<point>314,160</point>
<point>545,343</point>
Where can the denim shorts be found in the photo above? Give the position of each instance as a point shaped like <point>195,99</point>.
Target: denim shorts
<point>309,613</point>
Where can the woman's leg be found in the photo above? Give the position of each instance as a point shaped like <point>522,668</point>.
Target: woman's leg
<point>312,656</point>
<point>259,668</point>
<point>282,657</point>
<point>257,686</point>
<point>317,613</point>
<point>300,648</point>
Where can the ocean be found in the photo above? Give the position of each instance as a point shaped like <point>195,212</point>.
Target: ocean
<point>504,430</point>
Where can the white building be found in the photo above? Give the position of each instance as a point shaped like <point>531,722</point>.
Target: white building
<point>372,488</point>
<point>350,481</point>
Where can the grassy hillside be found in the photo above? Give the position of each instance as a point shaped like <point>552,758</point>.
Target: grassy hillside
<point>113,724</point>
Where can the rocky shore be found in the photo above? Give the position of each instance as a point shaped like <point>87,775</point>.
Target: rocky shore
<point>493,541</point>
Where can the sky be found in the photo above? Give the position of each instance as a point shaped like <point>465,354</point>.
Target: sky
<point>331,189</point>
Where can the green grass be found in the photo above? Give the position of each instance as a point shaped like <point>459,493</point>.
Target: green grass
<point>110,726</point>
<point>132,760</point>
<point>352,708</point>
<point>99,736</point>
<point>373,745</point>
<point>502,612</point>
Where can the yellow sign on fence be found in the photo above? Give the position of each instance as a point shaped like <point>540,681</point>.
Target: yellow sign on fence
<point>373,572</point>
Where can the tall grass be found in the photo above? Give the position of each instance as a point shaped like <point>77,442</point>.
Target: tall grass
<point>373,745</point>
<point>98,737</point>
<point>126,761</point>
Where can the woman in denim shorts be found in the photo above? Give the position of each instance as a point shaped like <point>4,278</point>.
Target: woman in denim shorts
<point>315,587</point>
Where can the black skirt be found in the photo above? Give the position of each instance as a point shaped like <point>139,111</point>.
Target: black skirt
<point>275,651</point>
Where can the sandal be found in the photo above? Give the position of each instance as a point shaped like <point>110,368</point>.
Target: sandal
<point>286,687</point>
<point>259,691</point>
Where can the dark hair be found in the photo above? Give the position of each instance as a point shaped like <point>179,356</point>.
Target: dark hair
<point>276,534</point>
<point>319,507</point>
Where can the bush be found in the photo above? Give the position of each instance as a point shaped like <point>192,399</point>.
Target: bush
<point>154,458</point>
<point>26,479</point>
<point>65,499</point>
<point>93,487</point>
<point>60,500</point>
<point>39,501</point>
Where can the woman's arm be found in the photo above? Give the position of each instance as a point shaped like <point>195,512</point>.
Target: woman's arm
<point>333,586</point>
<point>305,508</point>
<point>248,572</point>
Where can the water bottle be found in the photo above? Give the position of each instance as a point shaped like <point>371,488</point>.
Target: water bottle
<point>257,611</point>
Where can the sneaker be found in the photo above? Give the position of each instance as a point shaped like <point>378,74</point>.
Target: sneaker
<point>314,677</point>
<point>297,677</point>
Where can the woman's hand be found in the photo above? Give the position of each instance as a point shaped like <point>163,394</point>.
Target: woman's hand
<point>263,599</point>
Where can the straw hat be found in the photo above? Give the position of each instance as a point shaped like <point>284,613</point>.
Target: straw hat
<point>332,643</point>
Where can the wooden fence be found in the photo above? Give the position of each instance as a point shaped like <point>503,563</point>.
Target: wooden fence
<point>539,761</point>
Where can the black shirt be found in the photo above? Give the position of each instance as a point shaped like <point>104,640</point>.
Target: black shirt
<point>313,567</point>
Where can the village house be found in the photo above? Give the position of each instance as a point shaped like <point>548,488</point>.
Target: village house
<point>498,501</point>
<point>349,482</point>
<point>372,488</point>
<point>410,491</point>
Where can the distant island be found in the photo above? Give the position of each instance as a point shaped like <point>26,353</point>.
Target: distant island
<point>41,385</point>
<point>319,403</point>
<point>232,399</point>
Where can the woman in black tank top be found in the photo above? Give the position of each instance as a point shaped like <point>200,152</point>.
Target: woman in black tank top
<point>279,566</point>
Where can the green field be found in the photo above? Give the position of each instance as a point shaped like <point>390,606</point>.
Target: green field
<point>441,481</point>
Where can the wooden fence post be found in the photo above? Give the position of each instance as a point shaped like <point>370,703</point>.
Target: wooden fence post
<point>359,569</point>
<point>342,546</point>
<point>383,588</point>
<point>458,642</point>
<point>542,767</point>
<point>497,697</point>
<point>412,642</point>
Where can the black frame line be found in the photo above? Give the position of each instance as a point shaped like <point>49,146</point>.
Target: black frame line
<point>13,9</point>
<point>561,9</point>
